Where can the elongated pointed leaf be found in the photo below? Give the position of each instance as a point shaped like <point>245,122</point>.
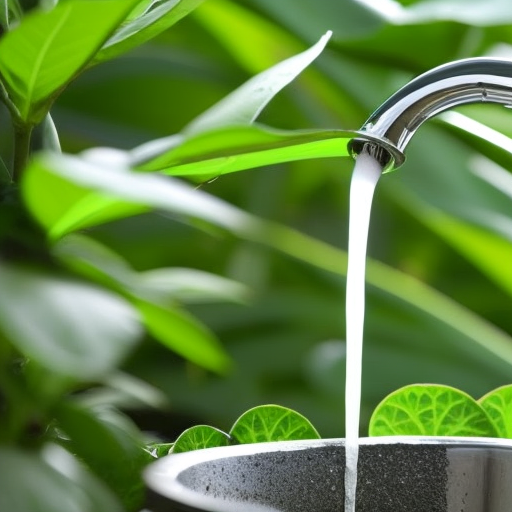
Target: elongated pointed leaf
<point>186,336</point>
<point>49,48</point>
<point>244,104</point>
<point>239,149</point>
<point>479,246</point>
<point>256,42</point>
<point>162,286</point>
<point>69,174</point>
<point>235,148</point>
<point>490,143</point>
<point>94,260</point>
<point>141,8</point>
<point>70,327</point>
<point>50,136</point>
<point>189,286</point>
<point>471,12</point>
<point>70,177</point>
<point>148,24</point>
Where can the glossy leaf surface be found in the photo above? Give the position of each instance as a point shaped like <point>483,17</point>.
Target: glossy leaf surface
<point>430,410</point>
<point>198,438</point>
<point>244,104</point>
<point>271,423</point>
<point>49,48</point>
<point>217,152</point>
<point>498,405</point>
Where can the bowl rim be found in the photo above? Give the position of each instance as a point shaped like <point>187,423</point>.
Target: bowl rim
<point>161,476</point>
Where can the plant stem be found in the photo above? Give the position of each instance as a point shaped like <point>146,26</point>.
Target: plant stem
<point>22,134</point>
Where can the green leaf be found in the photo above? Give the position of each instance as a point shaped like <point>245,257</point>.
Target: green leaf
<point>470,12</point>
<point>488,142</point>
<point>164,285</point>
<point>348,19</point>
<point>199,437</point>
<point>498,405</point>
<point>154,293</point>
<point>256,42</point>
<point>209,155</point>
<point>50,480</point>
<point>70,177</point>
<point>141,8</point>
<point>430,410</point>
<point>235,148</point>
<point>10,12</point>
<point>114,451</point>
<point>50,135</point>
<point>244,104</point>
<point>95,261</point>
<point>49,48</point>
<point>494,175</point>
<point>272,423</point>
<point>469,333</point>
<point>68,326</point>
<point>158,450</point>
<point>185,335</point>
<point>149,21</point>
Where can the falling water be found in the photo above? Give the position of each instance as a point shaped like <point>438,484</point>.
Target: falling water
<point>364,179</point>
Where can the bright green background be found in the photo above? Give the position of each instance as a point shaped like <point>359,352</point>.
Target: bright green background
<point>433,219</point>
<point>439,276</point>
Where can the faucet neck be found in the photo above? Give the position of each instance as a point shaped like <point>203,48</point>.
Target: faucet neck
<point>461,82</point>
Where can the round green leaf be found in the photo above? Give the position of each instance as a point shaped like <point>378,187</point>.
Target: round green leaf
<point>199,437</point>
<point>430,410</point>
<point>272,423</point>
<point>498,405</point>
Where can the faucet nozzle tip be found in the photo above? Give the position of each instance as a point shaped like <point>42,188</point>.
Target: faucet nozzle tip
<point>388,156</point>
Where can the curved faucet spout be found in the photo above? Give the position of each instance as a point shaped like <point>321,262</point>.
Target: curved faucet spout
<point>390,128</point>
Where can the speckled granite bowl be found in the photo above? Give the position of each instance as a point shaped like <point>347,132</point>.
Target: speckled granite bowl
<point>396,474</point>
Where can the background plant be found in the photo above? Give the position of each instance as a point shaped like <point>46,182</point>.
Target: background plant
<point>254,259</point>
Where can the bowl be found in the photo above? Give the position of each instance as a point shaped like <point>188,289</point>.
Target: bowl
<point>395,474</point>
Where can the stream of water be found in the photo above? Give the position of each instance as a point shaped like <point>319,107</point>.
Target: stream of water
<point>366,174</point>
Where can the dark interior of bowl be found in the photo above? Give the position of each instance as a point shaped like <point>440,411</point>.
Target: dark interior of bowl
<point>459,476</point>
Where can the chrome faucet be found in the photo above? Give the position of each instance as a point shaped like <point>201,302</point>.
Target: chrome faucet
<point>389,129</point>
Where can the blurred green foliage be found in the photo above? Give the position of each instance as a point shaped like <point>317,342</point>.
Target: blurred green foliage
<point>241,275</point>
